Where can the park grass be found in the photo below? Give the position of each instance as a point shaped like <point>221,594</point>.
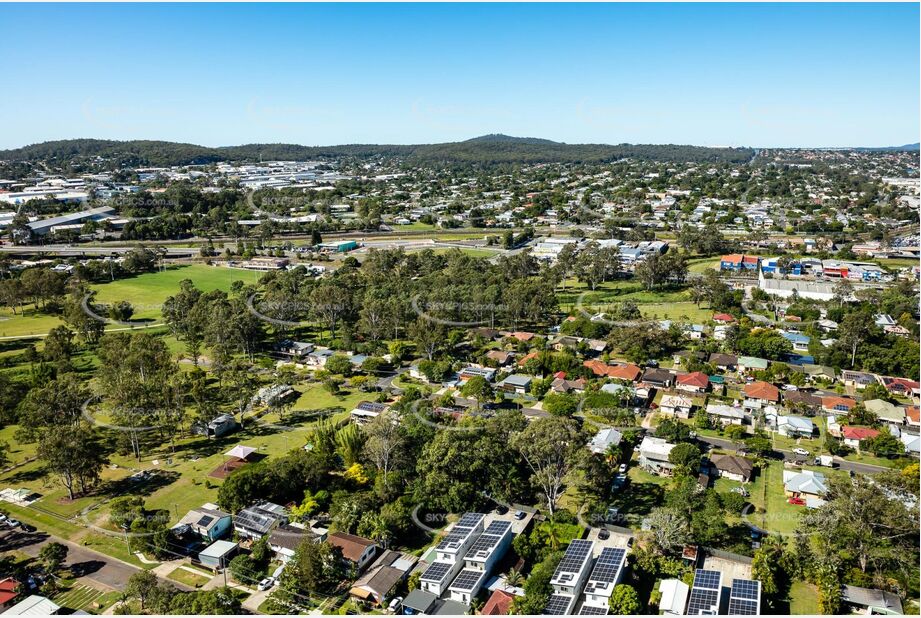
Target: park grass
<point>700,265</point>
<point>804,599</point>
<point>184,576</point>
<point>677,311</point>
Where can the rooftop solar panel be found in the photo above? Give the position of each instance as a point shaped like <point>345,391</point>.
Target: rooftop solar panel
<point>703,601</point>
<point>743,607</point>
<point>574,556</point>
<point>467,579</point>
<point>608,565</point>
<point>497,528</point>
<point>745,589</point>
<point>483,546</point>
<point>436,571</point>
<point>469,520</point>
<point>205,520</point>
<point>588,610</point>
<point>557,605</point>
<point>709,580</point>
<point>453,539</point>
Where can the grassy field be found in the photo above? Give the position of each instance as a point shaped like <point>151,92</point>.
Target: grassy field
<point>680,311</point>
<point>91,600</point>
<point>145,292</point>
<point>804,599</point>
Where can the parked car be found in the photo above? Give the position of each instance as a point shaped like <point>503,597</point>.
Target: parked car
<point>622,469</point>
<point>27,528</point>
<point>519,514</point>
<point>395,604</point>
<point>741,491</point>
<point>800,451</point>
<point>266,583</point>
<point>13,523</point>
<point>797,501</point>
<point>603,535</point>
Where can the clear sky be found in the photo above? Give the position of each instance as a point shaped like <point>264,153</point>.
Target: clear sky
<point>318,74</point>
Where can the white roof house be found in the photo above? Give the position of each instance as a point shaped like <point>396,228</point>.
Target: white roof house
<point>603,439</point>
<point>33,605</point>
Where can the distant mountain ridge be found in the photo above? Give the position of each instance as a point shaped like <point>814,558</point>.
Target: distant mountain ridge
<point>490,149</point>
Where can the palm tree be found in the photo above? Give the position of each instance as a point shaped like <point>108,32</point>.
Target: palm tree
<point>513,577</point>
<point>350,443</point>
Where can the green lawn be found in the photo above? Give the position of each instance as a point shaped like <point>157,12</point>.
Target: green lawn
<point>804,599</point>
<point>678,311</point>
<point>184,576</point>
<point>81,597</point>
<point>145,292</point>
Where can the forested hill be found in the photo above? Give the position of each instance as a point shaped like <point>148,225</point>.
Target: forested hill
<point>488,149</point>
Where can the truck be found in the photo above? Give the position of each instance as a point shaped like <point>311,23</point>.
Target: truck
<point>825,460</point>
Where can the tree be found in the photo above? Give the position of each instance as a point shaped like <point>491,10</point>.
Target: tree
<point>550,446</point>
<point>52,555</point>
<point>339,364</point>
<point>624,601</point>
<point>855,328</point>
<point>885,445</point>
<point>669,528</point>
<point>141,586</point>
<point>685,456</point>
<point>185,319</point>
<point>479,389</point>
<point>73,454</point>
<point>561,404</point>
<point>385,446</point>
<point>314,568</point>
<point>766,565</point>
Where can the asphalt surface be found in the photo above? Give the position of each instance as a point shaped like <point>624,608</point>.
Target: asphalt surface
<point>85,563</point>
<point>842,464</point>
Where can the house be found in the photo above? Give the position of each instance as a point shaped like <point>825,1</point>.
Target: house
<point>499,603</point>
<point>450,552</point>
<point>516,383</point>
<point>674,597</point>
<point>807,484</point>
<point>486,373</point>
<point>837,405</point>
<point>676,405</point>
<point>218,427</point>
<point>737,262</point>
<point>295,350</point>
<point>626,372</point>
<point>871,601</point>
<point>255,521</point>
<point>799,341</point>
<point>284,539</point>
<point>885,411</point>
<point>522,336</point>
<point>761,391</point>
<point>723,318</point>
<point>217,555</point>
<point>480,559</point>
<point>858,379</point>
<point>366,411</point>
<point>273,395</point>
<point>794,398</point>
<point>694,382</point>
<point>913,416</point>
<point>9,592</point>
<point>604,439</point>
<point>726,362</point>
<point>794,426</point>
<point>562,385</point>
<point>654,455</point>
<point>501,357</point>
<point>418,602</point>
<point>569,577</point>
<point>725,415</point>
<point>853,436</point>
<point>318,357</point>
<point>208,521</point>
<point>658,378</point>
<point>390,568</point>
<point>733,467</point>
<point>746,364</point>
<point>355,549</point>
<point>33,605</point>
<point>607,573</point>
<point>901,387</point>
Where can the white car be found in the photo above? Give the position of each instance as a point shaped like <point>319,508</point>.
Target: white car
<point>622,469</point>
<point>12,523</point>
<point>395,604</point>
<point>266,583</point>
<point>800,451</point>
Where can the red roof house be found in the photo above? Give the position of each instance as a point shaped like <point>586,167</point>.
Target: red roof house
<point>8,592</point>
<point>723,317</point>
<point>695,382</point>
<point>498,604</point>
<point>857,434</point>
<point>763,391</point>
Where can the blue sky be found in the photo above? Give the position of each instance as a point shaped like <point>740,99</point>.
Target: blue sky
<point>712,74</point>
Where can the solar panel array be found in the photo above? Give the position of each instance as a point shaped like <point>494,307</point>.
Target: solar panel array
<point>483,547</point>
<point>469,520</point>
<point>436,571</point>
<point>497,528</point>
<point>588,610</point>
<point>705,593</point>
<point>574,557</point>
<point>607,568</point>
<point>467,579</point>
<point>557,605</point>
<point>744,597</point>
<point>454,539</point>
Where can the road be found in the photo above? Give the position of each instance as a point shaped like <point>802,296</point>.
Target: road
<point>843,464</point>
